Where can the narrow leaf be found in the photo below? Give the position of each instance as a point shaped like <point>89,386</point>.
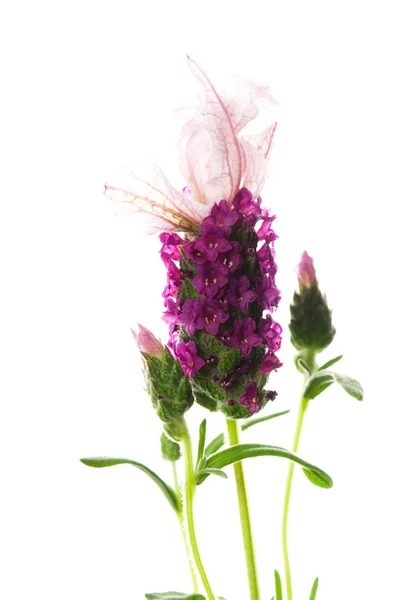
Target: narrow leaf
<point>215,444</point>
<point>321,380</point>
<point>202,440</point>
<point>207,471</point>
<point>278,586</point>
<point>330,362</point>
<point>314,589</point>
<point>219,441</point>
<point>104,461</point>
<point>251,422</point>
<point>239,452</point>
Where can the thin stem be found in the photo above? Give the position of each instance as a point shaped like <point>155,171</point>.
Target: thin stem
<point>183,529</point>
<point>190,486</point>
<point>286,504</point>
<point>233,436</point>
<point>309,355</point>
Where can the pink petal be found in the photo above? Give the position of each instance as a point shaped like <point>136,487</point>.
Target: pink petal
<point>148,191</point>
<point>213,162</point>
<point>257,150</point>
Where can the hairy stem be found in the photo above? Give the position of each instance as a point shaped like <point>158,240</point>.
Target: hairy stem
<point>190,486</point>
<point>233,436</point>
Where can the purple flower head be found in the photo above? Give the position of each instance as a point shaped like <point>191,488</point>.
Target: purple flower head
<point>187,355</point>
<point>243,336</point>
<point>250,397</point>
<point>169,250</point>
<point>268,293</point>
<point>231,260</point>
<point>270,363</point>
<point>240,294</point>
<point>210,279</point>
<point>223,216</point>
<point>306,271</point>
<point>271,331</point>
<point>147,343</point>
<point>248,208</point>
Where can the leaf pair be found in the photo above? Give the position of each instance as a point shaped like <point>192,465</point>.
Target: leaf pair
<point>322,378</point>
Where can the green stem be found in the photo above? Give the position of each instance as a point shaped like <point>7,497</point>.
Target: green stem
<point>233,436</point>
<point>190,486</point>
<point>183,529</point>
<point>310,358</point>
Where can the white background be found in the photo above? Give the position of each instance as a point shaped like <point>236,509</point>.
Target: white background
<point>84,85</point>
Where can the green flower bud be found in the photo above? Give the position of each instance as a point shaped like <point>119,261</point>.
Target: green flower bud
<point>167,385</point>
<point>170,450</point>
<point>311,319</point>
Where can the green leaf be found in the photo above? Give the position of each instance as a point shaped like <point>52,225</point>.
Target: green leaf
<point>202,440</point>
<point>174,596</point>
<point>219,441</point>
<point>321,380</point>
<point>314,589</point>
<point>206,471</point>
<point>330,362</point>
<point>278,586</point>
<point>241,451</point>
<point>215,444</point>
<point>104,461</point>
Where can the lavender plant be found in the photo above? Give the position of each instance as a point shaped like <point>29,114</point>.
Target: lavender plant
<point>217,245</point>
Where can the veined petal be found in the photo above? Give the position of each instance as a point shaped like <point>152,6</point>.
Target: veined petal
<point>221,160</point>
<point>148,191</point>
<point>257,150</point>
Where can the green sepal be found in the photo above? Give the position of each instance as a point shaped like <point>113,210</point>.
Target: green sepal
<point>170,449</point>
<point>187,291</point>
<point>321,380</point>
<point>278,586</point>
<point>105,461</point>
<point>239,452</point>
<point>311,320</point>
<point>219,441</point>
<point>314,589</point>
<point>168,386</point>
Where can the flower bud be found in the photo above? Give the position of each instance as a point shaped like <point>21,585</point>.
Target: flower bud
<point>147,343</point>
<point>311,319</point>
<point>169,388</point>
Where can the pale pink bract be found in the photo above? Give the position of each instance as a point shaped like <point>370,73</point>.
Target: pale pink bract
<point>213,159</point>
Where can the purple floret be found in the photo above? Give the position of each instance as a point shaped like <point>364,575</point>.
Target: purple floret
<point>243,336</point>
<point>223,216</point>
<point>270,363</point>
<point>240,294</point>
<point>187,355</point>
<point>209,280</point>
<point>271,331</point>
<point>248,208</point>
<point>250,397</point>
